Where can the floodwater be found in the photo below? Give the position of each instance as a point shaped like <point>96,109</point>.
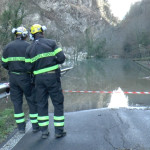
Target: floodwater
<point>101,75</point>
<point>105,75</point>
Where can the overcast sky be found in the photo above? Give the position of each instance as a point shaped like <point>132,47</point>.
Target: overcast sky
<point>121,7</point>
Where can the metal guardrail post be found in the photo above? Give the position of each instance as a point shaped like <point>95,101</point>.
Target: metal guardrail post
<point>4,90</point>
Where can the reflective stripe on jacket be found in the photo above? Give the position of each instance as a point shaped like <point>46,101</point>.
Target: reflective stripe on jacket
<point>13,58</point>
<point>43,55</point>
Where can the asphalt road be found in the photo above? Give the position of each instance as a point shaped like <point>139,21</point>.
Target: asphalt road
<point>99,129</point>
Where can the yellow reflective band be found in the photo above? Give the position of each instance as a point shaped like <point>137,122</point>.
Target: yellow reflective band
<point>19,115</point>
<point>58,124</point>
<point>45,69</point>
<point>20,120</point>
<point>42,56</point>
<point>44,123</point>
<point>27,60</point>
<point>31,60</point>
<point>34,121</point>
<point>33,115</point>
<point>15,72</point>
<point>59,117</point>
<point>13,59</point>
<point>43,117</point>
<point>56,51</point>
<point>4,59</point>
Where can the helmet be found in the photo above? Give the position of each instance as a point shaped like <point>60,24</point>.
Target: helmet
<point>37,28</point>
<point>20,30</point>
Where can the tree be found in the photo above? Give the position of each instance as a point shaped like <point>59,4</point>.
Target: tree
<point>89,42</point>
<point>11,17</point>
<point>99,49</point>
<point>95,47</point>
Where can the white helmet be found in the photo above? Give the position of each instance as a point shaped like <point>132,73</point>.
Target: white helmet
<point>20,30</point>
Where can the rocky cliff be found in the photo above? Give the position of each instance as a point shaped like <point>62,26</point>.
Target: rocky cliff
<point>68,20</point>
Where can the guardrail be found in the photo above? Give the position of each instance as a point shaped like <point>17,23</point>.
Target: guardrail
<point>63,71</point>
<point>4,90</point>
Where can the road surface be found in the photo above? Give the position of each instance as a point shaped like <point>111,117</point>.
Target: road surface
<point>97,129</point>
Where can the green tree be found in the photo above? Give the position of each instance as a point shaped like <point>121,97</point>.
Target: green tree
<point>95,47</point>
<point>11,17</point>
<point>143,39</point>
<point>99,49</point>
<point>89,42</point>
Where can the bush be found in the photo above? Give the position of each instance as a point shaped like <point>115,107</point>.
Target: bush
<point>95,47</point>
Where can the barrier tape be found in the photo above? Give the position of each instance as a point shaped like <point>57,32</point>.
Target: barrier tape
<point>70,91</point>
<point>6,85</point>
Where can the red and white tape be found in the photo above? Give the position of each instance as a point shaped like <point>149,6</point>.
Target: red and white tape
<point>72,91</point>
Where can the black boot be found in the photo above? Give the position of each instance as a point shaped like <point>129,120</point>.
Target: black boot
<point>61,134</point>
<point>21,127</point>
<point>22,131</point>
<point>35,128</point>
<point>45,134</point>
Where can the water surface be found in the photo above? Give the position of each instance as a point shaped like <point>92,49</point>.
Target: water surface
<point>104,75</point>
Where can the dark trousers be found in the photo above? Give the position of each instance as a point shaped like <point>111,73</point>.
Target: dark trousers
<point>48,84</point>
<point>21,84</point>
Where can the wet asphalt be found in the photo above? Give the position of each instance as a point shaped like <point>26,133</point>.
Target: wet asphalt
<point>97,129</point>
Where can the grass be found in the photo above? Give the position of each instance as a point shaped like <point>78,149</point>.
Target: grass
<point>7,120</point>
<point>7,123</point>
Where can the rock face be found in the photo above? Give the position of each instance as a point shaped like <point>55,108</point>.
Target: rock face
<point>68,20</point>
<point>3,3</point>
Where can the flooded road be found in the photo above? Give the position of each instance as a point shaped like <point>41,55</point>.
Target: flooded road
<point>104,75</point>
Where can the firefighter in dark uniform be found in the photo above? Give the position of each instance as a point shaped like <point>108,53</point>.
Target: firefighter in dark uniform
<point>13,60</point>
<point>43,57</point>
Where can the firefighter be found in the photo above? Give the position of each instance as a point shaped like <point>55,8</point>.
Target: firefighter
<point>13,60</point>
<point>43,57</point>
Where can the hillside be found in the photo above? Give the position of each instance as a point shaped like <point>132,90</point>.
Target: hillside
<point>131,37</point>
<point>69,20</point>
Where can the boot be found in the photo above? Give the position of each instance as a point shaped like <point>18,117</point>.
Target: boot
<point>21,128</point>
<point>34,130</point>
<point>45,134</point>
<point>22,131</point>
<point>61,134</point>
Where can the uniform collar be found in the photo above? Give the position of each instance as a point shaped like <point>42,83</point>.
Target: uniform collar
<point>39,37</point>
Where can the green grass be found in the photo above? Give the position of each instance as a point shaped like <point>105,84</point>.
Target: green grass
<point>7,123</point>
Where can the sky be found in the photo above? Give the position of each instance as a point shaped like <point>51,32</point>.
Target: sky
<point>121,7</point>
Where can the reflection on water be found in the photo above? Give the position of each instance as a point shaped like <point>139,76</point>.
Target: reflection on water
<point>104,75</point>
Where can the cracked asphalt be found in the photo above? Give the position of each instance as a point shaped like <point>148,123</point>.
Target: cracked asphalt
<point>97,129</point>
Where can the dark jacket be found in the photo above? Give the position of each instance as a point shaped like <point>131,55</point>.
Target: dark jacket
<point>43,55</point>
<point>13,58</point>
